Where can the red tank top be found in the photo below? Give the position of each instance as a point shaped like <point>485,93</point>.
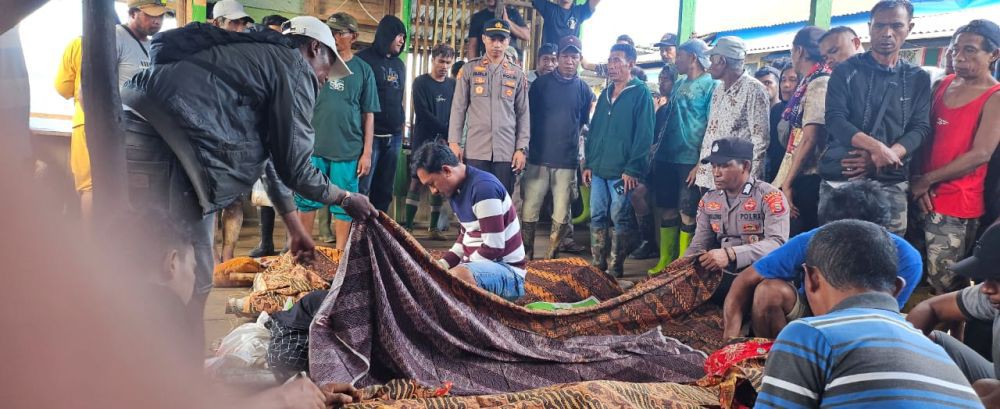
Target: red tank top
<point>954,131</point>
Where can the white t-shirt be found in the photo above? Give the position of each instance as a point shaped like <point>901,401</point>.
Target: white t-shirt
<point>132,56</point>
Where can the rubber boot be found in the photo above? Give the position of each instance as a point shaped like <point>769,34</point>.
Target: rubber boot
<point>668,249</point>
<point>621,246</point>
<point>647,249</point>
<point>559,232</point>
<point>324,218</point>
<point>266,245</point>
<point>685,241</point>
<point>585,214</point>
<point>528,238</point>
<point>599,248</point>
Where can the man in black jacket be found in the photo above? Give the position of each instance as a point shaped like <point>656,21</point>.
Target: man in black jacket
<point>877,112</point>
<point>200,125</point>
<point>390,78</point>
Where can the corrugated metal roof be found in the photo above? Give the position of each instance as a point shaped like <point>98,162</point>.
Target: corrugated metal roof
<point>925,26</point>
<point>766,13</point>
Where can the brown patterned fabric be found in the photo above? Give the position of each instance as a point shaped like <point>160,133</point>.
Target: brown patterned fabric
<point>701,329</point>
<point>736,388</point>
<point>285,282</point>
<point>566,280</point>
<point>393,313</point>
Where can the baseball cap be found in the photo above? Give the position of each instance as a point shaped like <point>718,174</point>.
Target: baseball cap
<point>496,27</point>
<point>230,10</point>
<point>988,29</point>
<point>154,8</point>
<point>667,40</point>
<point>310,26</point>
<point>985,261</point>
<point>698,49</point>
<point>570,41</point>
<point>547,49</point>
<point>727,149</point>
<point>731,47</point>
<point>343,21</point>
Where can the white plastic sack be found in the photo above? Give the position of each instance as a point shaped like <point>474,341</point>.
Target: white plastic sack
<point>247,345</point>
<point>258,196</point>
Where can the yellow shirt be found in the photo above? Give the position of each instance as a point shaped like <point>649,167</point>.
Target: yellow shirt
<point>68,78</point>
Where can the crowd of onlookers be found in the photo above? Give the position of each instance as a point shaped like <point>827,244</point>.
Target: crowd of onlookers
<point>798,184</point>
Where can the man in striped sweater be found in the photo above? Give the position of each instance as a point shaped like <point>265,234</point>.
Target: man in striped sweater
<point>489,251</point>
<point>858,350</point>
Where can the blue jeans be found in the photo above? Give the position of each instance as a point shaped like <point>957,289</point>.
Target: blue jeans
<point>497,278</point>
<point>378,184</point>
<point>607,206</point>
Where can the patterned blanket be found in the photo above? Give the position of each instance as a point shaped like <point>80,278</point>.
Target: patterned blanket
<point>733,377</point>
<point>392,313</point>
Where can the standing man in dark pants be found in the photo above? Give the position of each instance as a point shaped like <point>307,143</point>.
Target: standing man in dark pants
<point>560,102</point>
<point>491,96</point>
<point>201,126</point>
<point>432,94</point>
<point>390,78</point>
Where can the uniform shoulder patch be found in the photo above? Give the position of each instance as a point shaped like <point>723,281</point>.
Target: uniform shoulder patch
<point>775,202</point>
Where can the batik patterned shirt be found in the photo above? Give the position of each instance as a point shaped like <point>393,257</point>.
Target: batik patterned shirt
<point>742,111</point>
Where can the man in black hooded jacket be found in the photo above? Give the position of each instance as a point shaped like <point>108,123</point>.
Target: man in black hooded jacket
<point>390,79</point>
<point>214,112</point>
<point>877,112</point>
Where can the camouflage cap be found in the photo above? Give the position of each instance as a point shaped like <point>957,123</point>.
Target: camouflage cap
<point>343,21</point>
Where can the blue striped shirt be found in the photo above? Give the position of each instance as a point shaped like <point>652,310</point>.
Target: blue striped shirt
<point>863,353</point>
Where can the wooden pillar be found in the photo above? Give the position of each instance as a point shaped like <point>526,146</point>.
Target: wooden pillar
<point>103,109</point>
<point>685,23</point>
<point>408,23</point>
<point>820,13</point>
<point>182,11</point>
<point>311,8</point>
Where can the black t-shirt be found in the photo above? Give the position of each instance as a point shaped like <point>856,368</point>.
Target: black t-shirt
<point>432,108</point>
<point>479,19</point>
<point>560,22</point>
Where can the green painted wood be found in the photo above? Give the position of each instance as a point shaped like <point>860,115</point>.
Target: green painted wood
<point>820,13</point>
<point>685,23</point>
<point>199,11</point>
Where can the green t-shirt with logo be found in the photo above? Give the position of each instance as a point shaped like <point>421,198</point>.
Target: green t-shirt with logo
<point>337,116</point>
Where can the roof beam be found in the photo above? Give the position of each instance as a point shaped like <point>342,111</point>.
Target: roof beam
<point>820,13</point>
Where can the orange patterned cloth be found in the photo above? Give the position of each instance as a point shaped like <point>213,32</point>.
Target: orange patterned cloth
<point>237,272</point>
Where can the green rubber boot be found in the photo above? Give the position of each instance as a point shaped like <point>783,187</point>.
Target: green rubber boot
<point>585,214</point>
<point>684,242</point>
<point>668,249</point>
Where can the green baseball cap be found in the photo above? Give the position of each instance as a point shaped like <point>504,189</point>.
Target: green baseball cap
<point>343,21</point>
